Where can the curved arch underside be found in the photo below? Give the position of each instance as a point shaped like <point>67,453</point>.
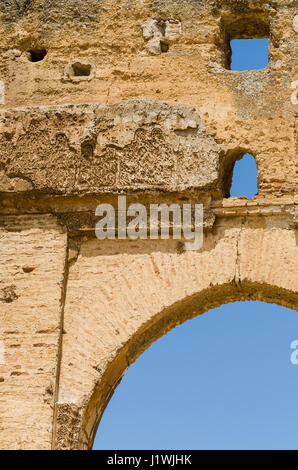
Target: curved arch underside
<point>131,293</point>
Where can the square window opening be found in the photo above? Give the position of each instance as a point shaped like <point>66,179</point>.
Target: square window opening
<point>247,43</point>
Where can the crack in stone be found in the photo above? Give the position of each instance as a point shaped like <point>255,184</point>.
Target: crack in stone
<point>237,276</point>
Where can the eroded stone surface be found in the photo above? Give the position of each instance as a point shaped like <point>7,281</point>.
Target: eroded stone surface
<point>99,98</point>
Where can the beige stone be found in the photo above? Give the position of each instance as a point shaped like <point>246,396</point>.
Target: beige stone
<point>96,100</point>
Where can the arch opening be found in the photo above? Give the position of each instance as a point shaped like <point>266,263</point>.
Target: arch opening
<point>249,54</point>
<point>240,175</point>
<point>219,384</point>
<point>37,55</point>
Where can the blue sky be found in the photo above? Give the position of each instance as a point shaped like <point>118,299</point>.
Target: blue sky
<point>223,380</point>
<point>249,54</point>
<point>245,178</point>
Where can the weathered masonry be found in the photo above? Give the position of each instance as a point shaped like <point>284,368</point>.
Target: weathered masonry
<point>136,97</point>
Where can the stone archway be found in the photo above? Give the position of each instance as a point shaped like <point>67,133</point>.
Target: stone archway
<point>245,258</point>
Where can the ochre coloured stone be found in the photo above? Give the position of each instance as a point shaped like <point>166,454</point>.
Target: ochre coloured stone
<point>98,100</point>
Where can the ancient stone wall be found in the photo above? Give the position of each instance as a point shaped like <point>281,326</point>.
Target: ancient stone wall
<point>134,97</point>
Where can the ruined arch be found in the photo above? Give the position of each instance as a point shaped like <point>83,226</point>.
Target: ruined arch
<point>251,274</point>
<point>228,167</point>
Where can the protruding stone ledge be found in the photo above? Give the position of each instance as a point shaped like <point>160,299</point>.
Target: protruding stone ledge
<point>94,148</point>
